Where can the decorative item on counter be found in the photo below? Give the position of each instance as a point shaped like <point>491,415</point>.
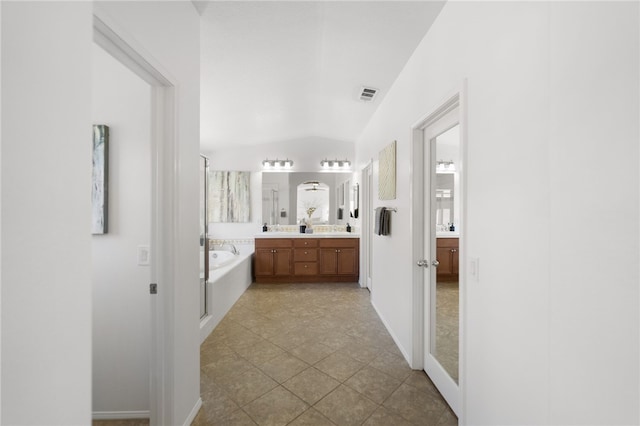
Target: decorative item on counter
<point>348,227</point>
<point>264,227</point>
<point>309,228</point>
<point>452,227</point>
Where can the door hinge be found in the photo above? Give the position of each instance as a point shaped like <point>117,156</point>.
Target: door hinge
<point>153,288</point>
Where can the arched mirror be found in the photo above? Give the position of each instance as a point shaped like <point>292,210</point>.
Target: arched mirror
<point>313,202</point>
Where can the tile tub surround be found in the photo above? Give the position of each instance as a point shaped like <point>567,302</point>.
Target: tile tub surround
<point>311,354</point>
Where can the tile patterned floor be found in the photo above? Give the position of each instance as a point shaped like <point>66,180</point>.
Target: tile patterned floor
<point>447,320</point>
<point>311,354</point>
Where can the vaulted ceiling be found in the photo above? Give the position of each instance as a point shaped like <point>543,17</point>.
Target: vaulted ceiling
<point>281,71</point>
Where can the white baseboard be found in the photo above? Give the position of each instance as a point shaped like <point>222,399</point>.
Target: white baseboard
<point>194,412</point>
<point>120,415</point>
<point>392,334</point>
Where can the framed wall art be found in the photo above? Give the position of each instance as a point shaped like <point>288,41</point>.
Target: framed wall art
<point>100,180</point>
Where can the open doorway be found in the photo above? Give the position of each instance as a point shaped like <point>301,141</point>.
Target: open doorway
<point>161,219</point>
<point>120,256</point>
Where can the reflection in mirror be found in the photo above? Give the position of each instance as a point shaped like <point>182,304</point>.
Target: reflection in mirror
<point>444,201</point>
<point>447,251</point>
<point>313,203</point>
<point>280,197</point>
<point>354,203</point>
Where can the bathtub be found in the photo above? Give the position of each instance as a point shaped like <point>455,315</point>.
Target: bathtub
<point>229,277</point>
<point>220,258</point>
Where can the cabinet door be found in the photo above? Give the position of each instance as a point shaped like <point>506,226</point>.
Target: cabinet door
<point>444,256</point>
<point>328,261</point>
<point>264,262</point>
<point>346,261</point>
<point>282,262</point>
<point>455,259</point>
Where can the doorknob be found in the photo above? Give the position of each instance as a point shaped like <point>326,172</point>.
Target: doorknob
<point>435,263</point>
<point>423,263</point>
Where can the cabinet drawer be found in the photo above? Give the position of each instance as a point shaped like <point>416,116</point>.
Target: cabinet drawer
<point>306,268</point>
<point>272,242</point>
<point>447,242</point>
<point>339,242</point>
<point>305,255</point>
<point>305,242</point>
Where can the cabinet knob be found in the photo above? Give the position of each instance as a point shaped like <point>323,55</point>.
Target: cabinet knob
<point>305,243</point>
<point>306,266</point>
<point>338,251</point>
<point>306,252</point>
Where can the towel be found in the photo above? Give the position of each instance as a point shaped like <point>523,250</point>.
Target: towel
<point>386,223</point>
<point>380,212</point>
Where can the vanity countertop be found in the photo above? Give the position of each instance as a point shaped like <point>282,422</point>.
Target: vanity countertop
<point>276,234</point>
<point>448,234</point>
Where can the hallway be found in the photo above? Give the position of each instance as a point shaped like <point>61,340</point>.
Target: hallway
<point>311,354</point>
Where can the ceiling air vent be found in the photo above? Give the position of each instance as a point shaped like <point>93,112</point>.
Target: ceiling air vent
<point>367,93</point>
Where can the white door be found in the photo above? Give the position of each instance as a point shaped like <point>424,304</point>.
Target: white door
<point>441,220</point>
<point>366,212</point>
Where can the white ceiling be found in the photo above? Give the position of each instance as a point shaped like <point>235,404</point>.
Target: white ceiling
<point>282,71</point>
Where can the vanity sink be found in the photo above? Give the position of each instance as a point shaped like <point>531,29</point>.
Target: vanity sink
<point>330,234</point>
<point>447,234</point>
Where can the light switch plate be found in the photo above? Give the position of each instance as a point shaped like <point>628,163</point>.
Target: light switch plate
<point>143,255</point>
<point>474,268</point>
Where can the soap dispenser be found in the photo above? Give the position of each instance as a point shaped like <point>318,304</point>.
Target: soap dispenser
<point>452,227</point>
<point>348,227</point>
<point>264,227</point>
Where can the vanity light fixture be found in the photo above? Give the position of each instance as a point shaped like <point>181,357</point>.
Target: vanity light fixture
<point>277,164</point>
<point>335,164</point>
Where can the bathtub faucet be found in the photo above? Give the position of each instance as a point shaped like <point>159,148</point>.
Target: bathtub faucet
<point>234,249</point>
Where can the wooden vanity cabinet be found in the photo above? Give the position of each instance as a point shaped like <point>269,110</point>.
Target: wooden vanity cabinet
<point>338,256</point>
<point>305,256</point>
<point>447,253</point>
<point>273,258</point>
<point>311,260</point>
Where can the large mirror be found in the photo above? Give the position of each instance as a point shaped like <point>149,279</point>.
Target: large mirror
<point>354,202</point>
<point>447,210</point>
<point>312,202</point>
<point>288,196</point>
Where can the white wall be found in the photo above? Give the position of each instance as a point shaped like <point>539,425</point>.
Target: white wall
<point>170,33</point>
<point>552,325</point>
<point>593,283</point>
<point>306,154</point>
<point>46,212</point>
<point>121,314</point>
<point>0,211</point>
<point>46,107</point>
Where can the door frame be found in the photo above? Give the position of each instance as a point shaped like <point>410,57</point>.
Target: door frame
<point>366,213</point>
<point>456,99</point>
<point>164,210</point>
